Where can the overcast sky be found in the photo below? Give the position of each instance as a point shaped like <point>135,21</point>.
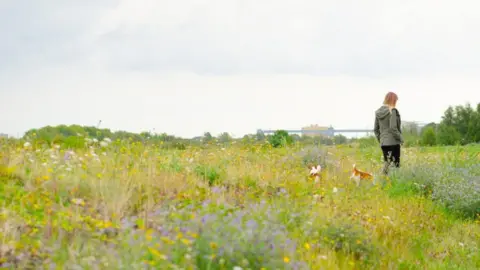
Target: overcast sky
<point>185,67</point>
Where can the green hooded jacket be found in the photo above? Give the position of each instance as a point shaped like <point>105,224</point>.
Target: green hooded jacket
<point>388,126</point>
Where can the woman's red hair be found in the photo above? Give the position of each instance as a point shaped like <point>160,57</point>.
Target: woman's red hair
<point>390,99</point>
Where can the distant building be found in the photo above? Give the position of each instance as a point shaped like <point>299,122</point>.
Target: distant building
<point>316,130</point>
<point>3,135</point>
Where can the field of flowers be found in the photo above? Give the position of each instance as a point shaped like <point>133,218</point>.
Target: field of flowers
<point>125,205</point>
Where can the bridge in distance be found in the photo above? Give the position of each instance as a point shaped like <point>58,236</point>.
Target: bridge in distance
<point>331,131</point>
<point>328,132</point>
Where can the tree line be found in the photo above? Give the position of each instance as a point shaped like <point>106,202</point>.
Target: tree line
<point>459,125</point>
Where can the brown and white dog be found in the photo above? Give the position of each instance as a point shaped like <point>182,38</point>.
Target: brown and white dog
<point>315,172</point>
<point>358,175</point>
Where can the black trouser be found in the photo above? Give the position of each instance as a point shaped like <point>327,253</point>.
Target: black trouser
<point>391,154</point>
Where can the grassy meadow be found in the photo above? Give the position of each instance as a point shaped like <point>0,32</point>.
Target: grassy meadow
<point>126,205</point>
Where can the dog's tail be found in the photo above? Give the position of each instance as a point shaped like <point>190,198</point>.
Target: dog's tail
<point>354,166</point>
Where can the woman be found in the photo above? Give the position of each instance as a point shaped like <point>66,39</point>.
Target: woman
<point>388,131</point>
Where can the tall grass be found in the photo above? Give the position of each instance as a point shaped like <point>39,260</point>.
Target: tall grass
<point>124,205</point>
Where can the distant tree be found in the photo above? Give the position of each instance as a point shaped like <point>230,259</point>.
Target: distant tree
<point>280,138</point>
<point>260,136</point>
<point>207,137</point>
<point>296,138</point>
<point>448,135</point>
<point>410,128</point>
<point>459,125</point>
<point>429,137</point>
<point>340,139</point>
<point>224,137</point>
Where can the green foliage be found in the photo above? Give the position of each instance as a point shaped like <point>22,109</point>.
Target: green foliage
<point>224,138</point>
<point>429,138</point>
<point>280,138</point>
<point>260,136</point>
<point>448,135</point>
<point>74,137</point>
<point>340,139</point>
<point>350,240</point>
<point>208,173</point>
<point>207,137</point>
<point>460,125</point>
<point>367,142</point>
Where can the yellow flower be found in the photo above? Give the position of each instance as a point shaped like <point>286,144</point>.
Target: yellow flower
<point>213,245</point>
<point>148,234</point>
<point>193,235</point>
<point>307,246</point>
<point>286,259</point>
<point>156,253</point>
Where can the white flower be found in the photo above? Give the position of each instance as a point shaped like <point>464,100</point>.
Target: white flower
<point>107,140</point>
<point>237,268</point>
<point>27,145</point>
<point>335,190</point>
<point>103,144</point>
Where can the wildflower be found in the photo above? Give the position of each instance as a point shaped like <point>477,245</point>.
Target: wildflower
<point>78,201</point>
<point>157,253</point>
<point>335,190</point>
<point>213,245</point>
<point>307,246</point>
<point>237,268</point>
<point>27,145</point>
<point>286,259</point>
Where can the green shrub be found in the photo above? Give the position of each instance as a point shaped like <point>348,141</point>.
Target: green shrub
<point>280,138</point>
<point>209,174</point>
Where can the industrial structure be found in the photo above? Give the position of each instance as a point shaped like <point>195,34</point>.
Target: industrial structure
<point>316,130</point>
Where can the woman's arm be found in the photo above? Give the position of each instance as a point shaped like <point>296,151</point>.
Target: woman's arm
<point>376,129</point>
<point>395,125</point>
